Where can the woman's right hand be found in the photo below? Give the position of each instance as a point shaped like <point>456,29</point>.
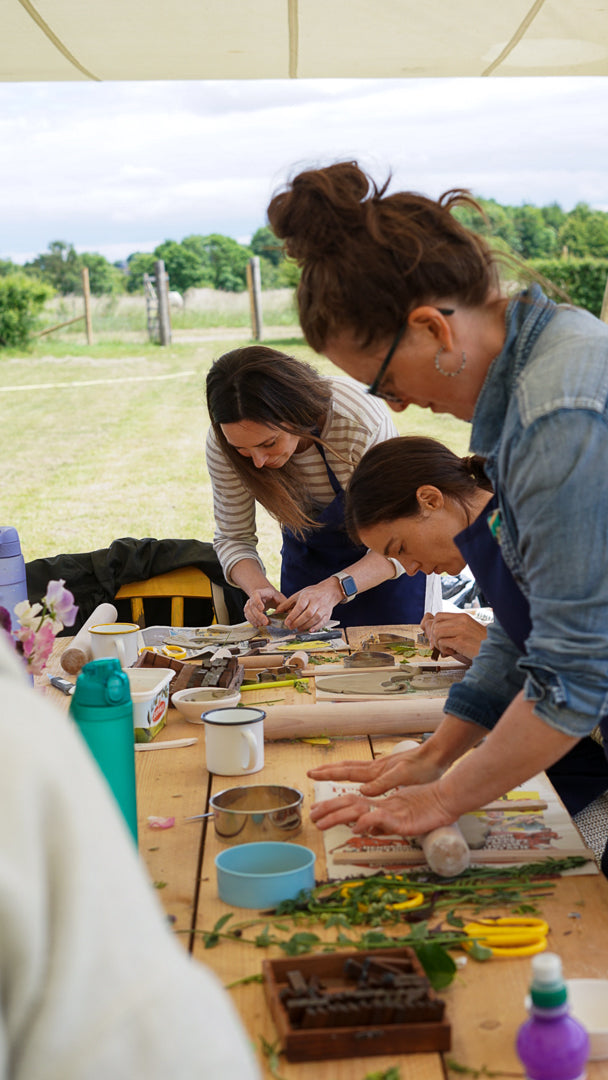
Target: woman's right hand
<point>454,634</point>
<point>259,600</point>
<point>385,773</point>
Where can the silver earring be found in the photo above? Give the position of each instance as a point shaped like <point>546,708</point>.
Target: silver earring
<point>442,371</point>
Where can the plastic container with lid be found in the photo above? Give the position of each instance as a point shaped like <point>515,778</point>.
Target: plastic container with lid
<point>551,1044</point>
<point>150,697</point>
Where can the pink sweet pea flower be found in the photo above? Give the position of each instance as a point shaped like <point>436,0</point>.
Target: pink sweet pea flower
<point>60,603</point>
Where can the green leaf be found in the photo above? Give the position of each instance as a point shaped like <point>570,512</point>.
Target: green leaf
<point>454,920</point>
<point>300,943</point>
<point>343,939</point>
<point>257,978</point>
<point>418,931</point>
<point>437,963</point>
<point>264,938</point>
<point>479,952</point>
<point>221,922</point>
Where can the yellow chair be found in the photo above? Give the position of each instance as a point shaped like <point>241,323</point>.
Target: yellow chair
<point>188,581</point>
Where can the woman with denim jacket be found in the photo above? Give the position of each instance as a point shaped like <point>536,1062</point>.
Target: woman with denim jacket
<point>400,295</point>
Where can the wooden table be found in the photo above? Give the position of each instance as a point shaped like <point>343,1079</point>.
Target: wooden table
<point>485,1002</point>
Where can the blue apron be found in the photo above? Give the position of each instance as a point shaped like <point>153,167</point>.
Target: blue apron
<point>328,549</point>
<point>582,774</point>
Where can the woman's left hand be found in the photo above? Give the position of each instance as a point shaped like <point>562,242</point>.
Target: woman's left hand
<point>310,608</point>
<point>411,811</point>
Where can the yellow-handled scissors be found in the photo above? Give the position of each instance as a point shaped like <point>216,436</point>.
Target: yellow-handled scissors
<point>510,935</point>
<point>412,898</point>
<point>174,652</point>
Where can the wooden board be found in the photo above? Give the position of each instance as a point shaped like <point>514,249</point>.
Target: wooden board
<point>512,835</point>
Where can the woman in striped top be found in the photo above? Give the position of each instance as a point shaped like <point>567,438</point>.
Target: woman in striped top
<point>287,437</point>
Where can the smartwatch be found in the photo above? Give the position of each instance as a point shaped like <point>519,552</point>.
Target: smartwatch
<point>348,586</point>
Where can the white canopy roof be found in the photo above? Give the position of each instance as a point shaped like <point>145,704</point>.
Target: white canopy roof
<point>51,40</point>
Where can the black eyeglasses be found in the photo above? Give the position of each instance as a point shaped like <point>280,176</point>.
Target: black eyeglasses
<point>374,389</point>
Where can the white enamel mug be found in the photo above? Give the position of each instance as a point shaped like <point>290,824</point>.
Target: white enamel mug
<point>118,639</point>
<point>234,740</point>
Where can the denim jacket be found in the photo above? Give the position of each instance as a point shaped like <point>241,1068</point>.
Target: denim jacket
<point>541,421</point>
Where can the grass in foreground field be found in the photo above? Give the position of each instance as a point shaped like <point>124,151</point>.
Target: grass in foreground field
<point>108,441</point>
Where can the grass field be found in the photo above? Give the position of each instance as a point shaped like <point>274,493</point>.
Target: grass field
<point>106,441</point>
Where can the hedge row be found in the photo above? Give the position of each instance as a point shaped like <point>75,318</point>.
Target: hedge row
<point>21,301</point>
<point>584,280</point>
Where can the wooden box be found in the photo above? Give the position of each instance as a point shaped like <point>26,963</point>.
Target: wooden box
<point>320,1043</point>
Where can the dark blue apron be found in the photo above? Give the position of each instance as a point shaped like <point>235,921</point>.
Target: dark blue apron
<point>326,550</point>
<point>582,774</point>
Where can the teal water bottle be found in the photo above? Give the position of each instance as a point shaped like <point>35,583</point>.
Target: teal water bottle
<point>102,709</point>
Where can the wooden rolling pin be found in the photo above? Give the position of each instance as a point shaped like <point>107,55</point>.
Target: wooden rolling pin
<point>297,660</point>
<point>79,652</point>
<point>445,849</point>
<point>353,718</point>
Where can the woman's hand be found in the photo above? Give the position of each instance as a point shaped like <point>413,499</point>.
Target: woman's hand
<point>409,812</point>
<point>310,608</point>
<point>259,600</point>
<point>385,773</point>
<point>454,634</point>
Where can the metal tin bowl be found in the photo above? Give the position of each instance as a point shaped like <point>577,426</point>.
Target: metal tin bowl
<point>261,875</point>
<point>257,812</point>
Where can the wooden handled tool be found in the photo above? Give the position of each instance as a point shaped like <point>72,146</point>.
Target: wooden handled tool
<point>445,849</point>
<point>354,718</point>
<point>79,652</point>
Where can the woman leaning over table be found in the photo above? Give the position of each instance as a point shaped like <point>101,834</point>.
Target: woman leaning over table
<point>440,517</point>
<point>287,437</point>
<point>401,296</point>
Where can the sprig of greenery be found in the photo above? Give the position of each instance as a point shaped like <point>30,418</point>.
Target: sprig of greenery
<point>271,1053</point>
<point>465,1070</point>
<point>257,977</point>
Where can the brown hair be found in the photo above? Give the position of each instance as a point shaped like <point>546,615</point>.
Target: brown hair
<point>384,484</point>
<point>368,258</point>
<point>271,388</point>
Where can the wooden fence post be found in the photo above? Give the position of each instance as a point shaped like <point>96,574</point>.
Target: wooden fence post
<point>254,284</point>
<point>86,292</point>
<point>162,293</point>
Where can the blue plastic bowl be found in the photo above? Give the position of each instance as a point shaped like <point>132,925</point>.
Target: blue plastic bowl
<point>262,874</point>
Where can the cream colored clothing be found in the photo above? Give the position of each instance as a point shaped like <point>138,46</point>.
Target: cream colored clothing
<point>94,984</point>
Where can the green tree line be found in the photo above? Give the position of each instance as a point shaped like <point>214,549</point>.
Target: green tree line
<point>219,262</point>
<point>568,249</point>
<point>214,261</point>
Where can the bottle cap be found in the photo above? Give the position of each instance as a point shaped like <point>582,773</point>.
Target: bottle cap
<point>548,988</point>
<point>9,542</point>
<point>102,682</point>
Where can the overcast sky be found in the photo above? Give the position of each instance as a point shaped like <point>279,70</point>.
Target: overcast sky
<point>119,167</point>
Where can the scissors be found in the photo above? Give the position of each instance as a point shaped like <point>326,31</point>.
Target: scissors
<point>509,936</point>
<point>174,652</point>
<point>412,898</point>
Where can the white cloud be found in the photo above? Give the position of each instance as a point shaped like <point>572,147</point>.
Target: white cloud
<point>122,166</point>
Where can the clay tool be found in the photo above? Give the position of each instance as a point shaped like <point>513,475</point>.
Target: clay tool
<point>79,652</point>
<point>275,684</point>
<point>61,684</point>
<point>170,744</point>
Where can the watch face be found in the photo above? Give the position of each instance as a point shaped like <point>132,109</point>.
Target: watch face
<point>349,587</point>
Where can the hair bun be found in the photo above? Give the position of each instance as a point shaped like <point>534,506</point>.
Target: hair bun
<point>319,208</point>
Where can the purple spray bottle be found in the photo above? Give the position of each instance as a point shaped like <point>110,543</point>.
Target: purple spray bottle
<point>551,1044</point>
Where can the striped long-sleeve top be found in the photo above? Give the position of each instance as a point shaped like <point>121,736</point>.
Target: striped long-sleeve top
<point>355,422</point>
